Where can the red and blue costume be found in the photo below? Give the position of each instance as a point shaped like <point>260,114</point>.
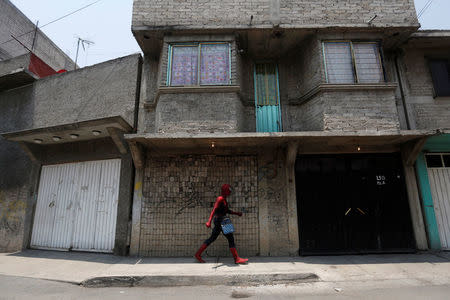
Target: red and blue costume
<point>218,213</point>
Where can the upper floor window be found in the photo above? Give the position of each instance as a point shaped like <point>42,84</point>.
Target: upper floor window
<point>199,64</point>
<point>440,73</point>
<point>353,62</point>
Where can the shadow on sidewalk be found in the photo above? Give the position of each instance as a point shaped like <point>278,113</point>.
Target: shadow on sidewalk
<point>421,257</point>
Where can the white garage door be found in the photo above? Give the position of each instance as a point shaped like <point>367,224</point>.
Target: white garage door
<point>77,206</point>
<point>439,176</point>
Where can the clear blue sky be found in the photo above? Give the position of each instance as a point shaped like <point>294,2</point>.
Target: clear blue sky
<point>108,24</point>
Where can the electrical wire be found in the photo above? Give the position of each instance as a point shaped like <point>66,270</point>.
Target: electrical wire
<point>51,22</point>
<point>425,8</point>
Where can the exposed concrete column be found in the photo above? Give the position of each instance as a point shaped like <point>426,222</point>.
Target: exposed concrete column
<point>291,155</point>
<point>136,213</point>
<point>123,206</point>
<point>263,207</point>
<point>409,155</point>
<point>137,151</point>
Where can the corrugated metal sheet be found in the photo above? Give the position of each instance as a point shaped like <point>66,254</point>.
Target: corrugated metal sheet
<point>267,118</point>
<point>77,206</point>
<point>440,189</point>
<point>267,98</point>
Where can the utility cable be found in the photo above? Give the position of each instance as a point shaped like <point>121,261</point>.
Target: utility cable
<point>425,8</point>
<point>51,22</point>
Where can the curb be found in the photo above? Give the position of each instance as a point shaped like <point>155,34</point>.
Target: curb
<point>189,280</point>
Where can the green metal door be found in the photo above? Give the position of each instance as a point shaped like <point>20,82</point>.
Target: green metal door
<point>267,98</point>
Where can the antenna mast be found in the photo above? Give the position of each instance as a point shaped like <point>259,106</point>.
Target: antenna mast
<point>82,42</point>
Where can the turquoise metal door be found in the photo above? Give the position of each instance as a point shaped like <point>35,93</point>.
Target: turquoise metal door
<point>267,98</point>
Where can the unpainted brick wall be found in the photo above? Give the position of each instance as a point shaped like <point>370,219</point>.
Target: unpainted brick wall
<point>360,110</point>
<point>432,115</point>
<point>307,116</point>
<point>307,13</point>
<point>427,111</point>
<point>346,111</point>
<point>179,194</point>
<point>199,112</point>
<point>306,70</point>
<point>418,73</point>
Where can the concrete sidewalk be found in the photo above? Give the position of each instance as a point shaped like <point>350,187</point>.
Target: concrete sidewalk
<point>99,270</point>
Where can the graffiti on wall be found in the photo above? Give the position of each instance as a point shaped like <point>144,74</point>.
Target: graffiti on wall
<point>11,212</point>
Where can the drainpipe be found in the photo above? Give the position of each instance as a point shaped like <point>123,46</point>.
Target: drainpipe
<point>402,92</point>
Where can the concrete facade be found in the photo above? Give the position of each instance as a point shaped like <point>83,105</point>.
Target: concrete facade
<point>272,31</point>
<point>157,14</point>
<point>15,166</point>
<point>18,173</point>
<point>100,98</point>
<point>103,90</point>
<point>183,142</point>
<point>424,109</point>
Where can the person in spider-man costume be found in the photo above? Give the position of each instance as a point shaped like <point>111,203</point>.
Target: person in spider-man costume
<point>219,211</point>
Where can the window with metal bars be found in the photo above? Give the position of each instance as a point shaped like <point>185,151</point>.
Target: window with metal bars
<point>440,73</point>
<point>350,62</point>
<point>437,160</point>
<point>197,64</point>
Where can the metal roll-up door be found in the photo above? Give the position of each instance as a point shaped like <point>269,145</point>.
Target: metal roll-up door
<point>77,206</point>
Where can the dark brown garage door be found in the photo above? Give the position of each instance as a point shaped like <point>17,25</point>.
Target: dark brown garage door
<point>352,204</point>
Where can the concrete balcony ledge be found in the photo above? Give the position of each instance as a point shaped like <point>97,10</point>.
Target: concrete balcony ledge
<point>81,131</point>
<point>328,87</point>
<point>252,142</point>
<point>191,90</point>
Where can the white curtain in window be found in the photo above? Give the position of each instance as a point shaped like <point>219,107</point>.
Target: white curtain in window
<point>184,65</point>
<point>368,64</point>
<point>338,57</point>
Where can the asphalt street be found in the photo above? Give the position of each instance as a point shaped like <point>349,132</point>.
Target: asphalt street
<point>12,287</point>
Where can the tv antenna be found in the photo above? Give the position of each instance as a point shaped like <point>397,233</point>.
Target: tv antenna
<point>83,42</point>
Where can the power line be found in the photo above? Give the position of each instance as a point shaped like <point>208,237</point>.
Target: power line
<point>424,9</point>
<point>51,22</point>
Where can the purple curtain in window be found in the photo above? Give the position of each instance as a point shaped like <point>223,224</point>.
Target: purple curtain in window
<point>215,64</point>
<point>184,65</point>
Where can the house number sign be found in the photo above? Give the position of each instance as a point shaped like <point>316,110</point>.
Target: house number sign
<point>381,179</point>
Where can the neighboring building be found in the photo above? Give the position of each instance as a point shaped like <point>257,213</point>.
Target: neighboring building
<point>14,24</point>
<point>19,68</point>
<point>314,111</point>
<point>80,175</point>
<point>426,68</point>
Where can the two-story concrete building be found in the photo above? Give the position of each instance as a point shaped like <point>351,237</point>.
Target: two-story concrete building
<point>294,103</point>
<point>314,111</point>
